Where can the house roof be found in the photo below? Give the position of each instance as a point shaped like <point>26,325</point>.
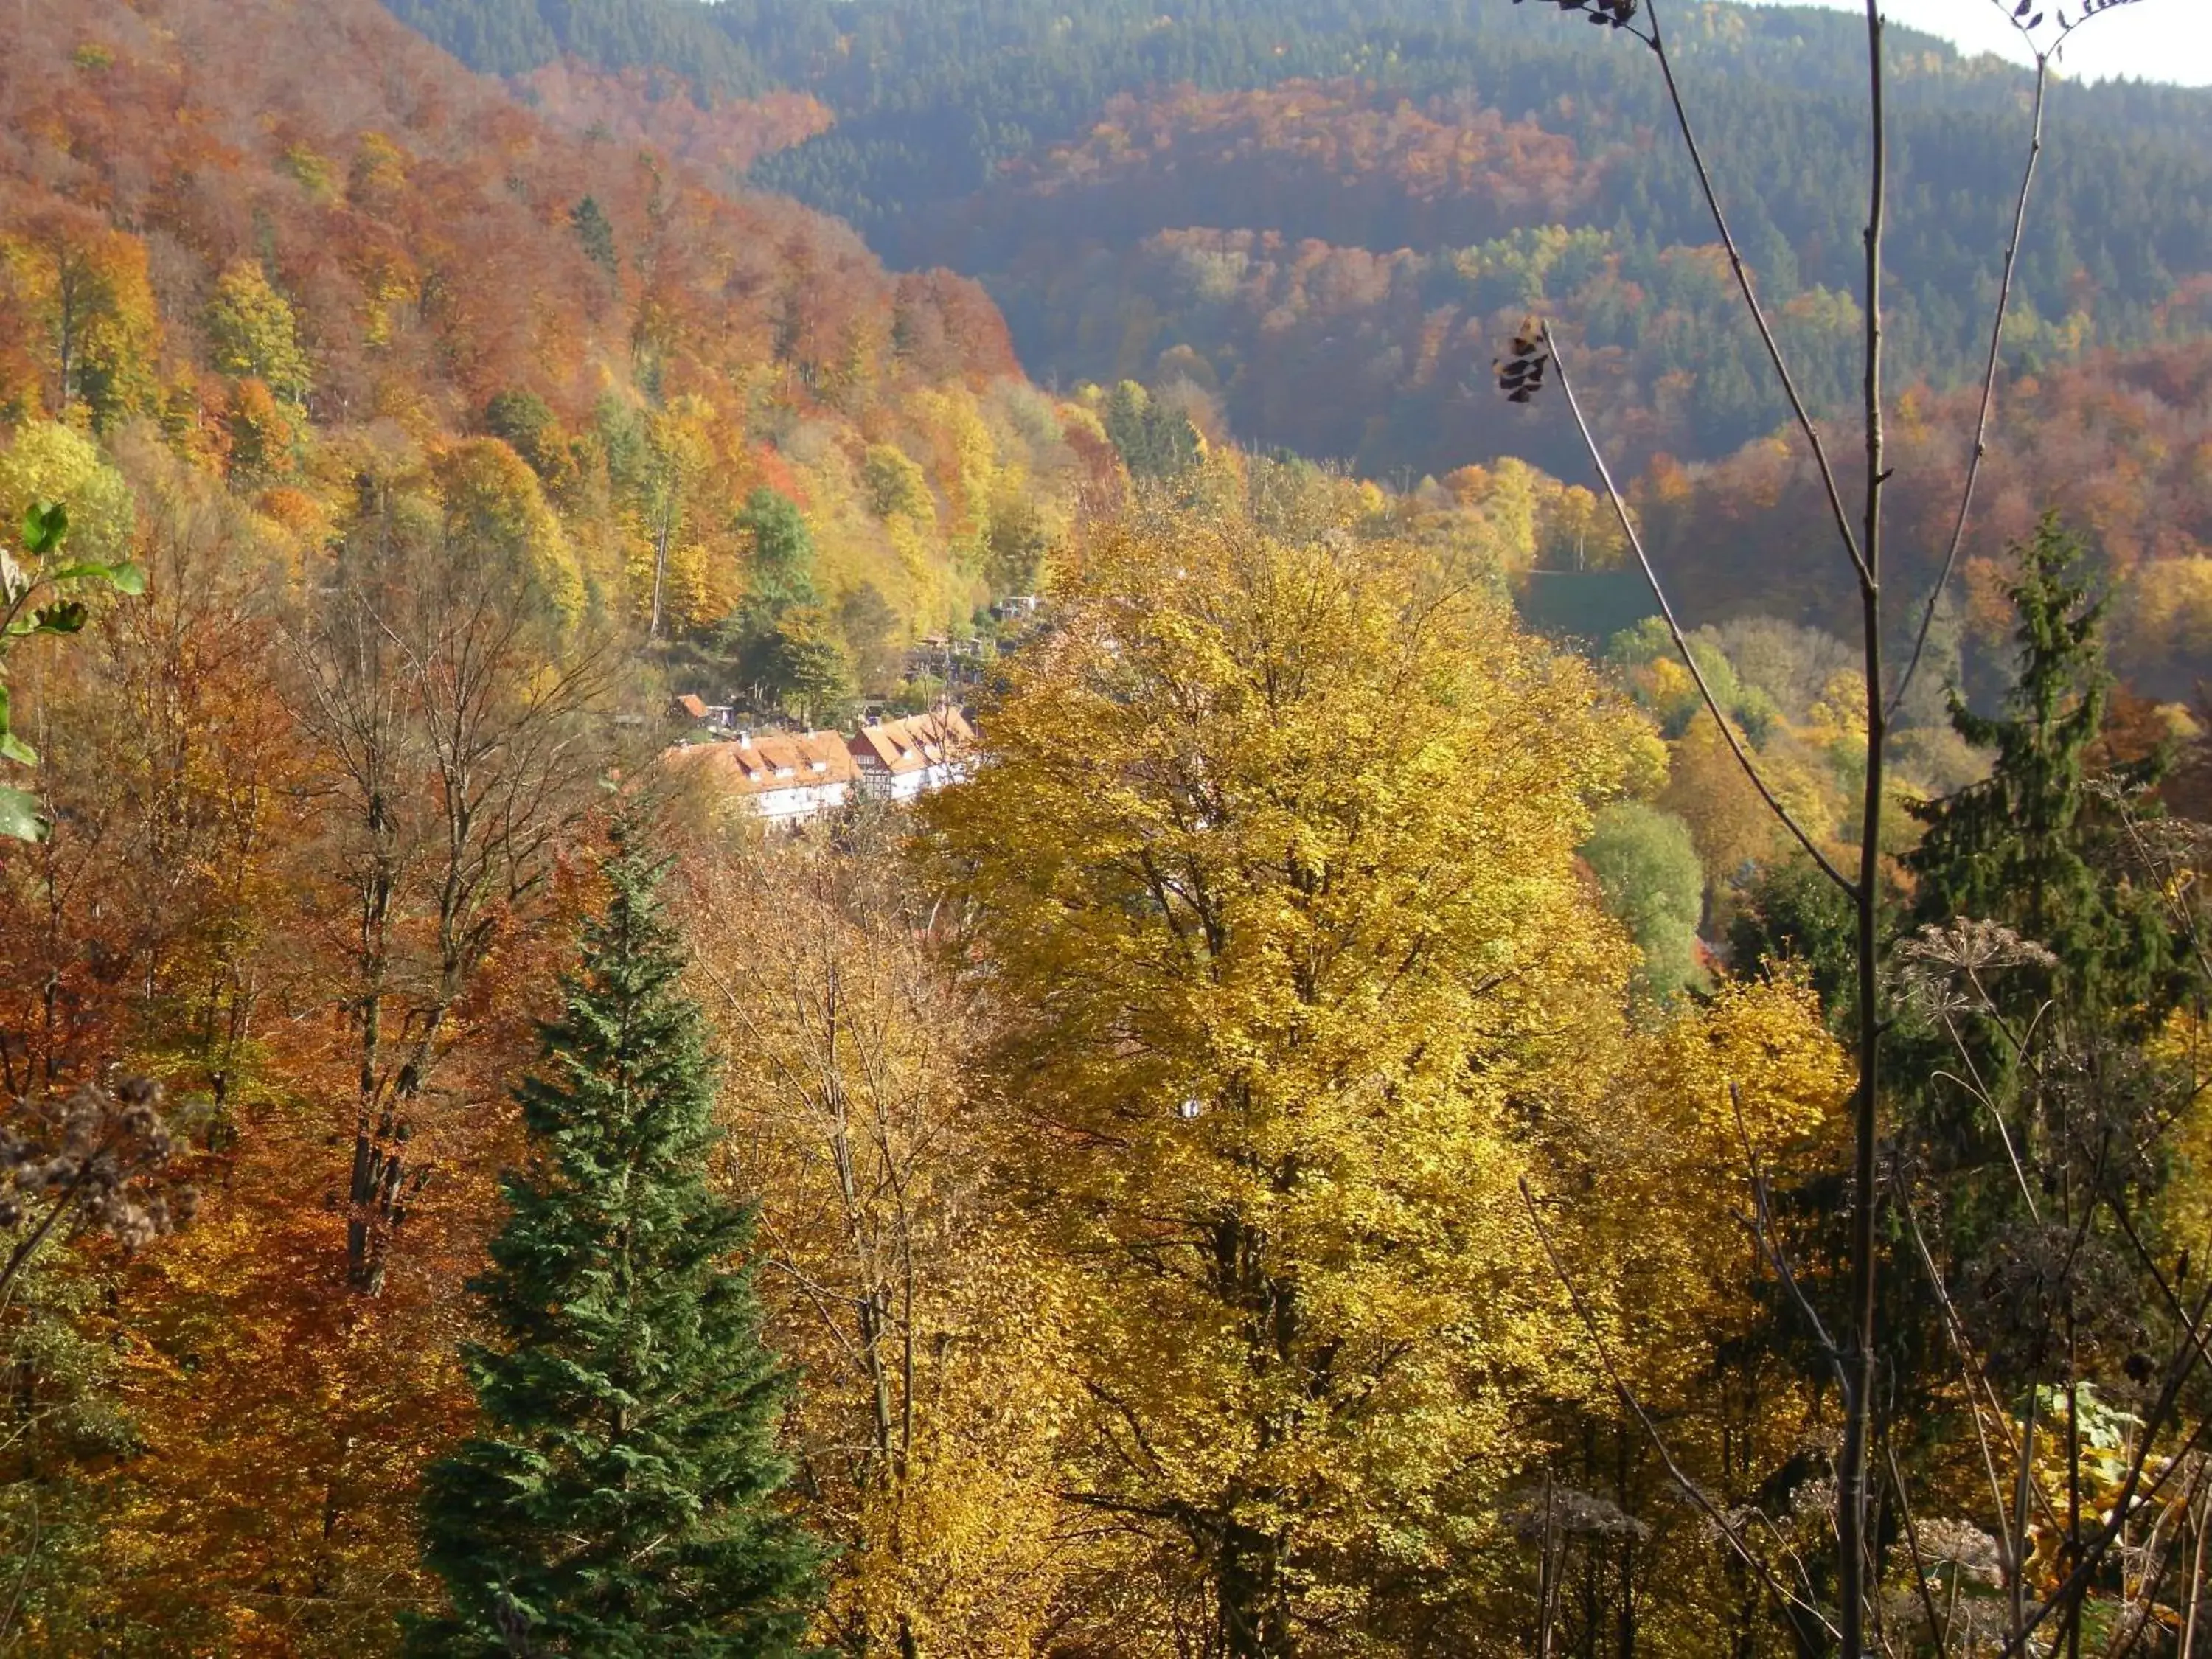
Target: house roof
<point>763,763</point>
<point>908,746</point>
<point>696,706</point>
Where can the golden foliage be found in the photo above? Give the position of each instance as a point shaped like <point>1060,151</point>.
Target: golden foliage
<point>1273,866</point>
<point>927,1333</point>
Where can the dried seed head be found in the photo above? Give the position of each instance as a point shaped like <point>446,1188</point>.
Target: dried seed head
<point>100,1149</point>
<point>1565,1511</point>
<point>1521,369</point>
<point>1941,969</point>
<point>1960,1543</point>
<point>1616,14</point>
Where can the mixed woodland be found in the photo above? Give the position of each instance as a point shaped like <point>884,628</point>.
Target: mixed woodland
<point>1308,229</point>
<point>1334,1136</point>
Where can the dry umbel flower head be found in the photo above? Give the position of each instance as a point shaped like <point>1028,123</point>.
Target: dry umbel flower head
<point>1562,1512</point>
<point>90,1162</point>
<point>1942,970</point>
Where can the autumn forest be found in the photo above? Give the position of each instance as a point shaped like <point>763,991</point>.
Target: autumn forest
<point>924,829</point>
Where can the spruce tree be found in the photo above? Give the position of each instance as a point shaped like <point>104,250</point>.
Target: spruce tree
<point>597,233</point>
<point>620,1501</point>
<point>2031,845</point>
<point>2059,1095</point>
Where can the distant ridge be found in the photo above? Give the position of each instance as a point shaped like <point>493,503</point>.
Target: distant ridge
<point>1114,174</point>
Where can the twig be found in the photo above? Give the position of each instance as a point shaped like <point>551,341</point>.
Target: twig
<point>1674,628</point>
<point>31,1557</point>
<point>1952,1329</point>
<point>1938,1629</point>
<point>1852,1487</point>
<point>2091,1560</point>
<point>65,1205</point>
<point>2017,1524</point>
<point>1805,421</point>
<point>2196,1580</point>
<point>2139,1606</point>
<point>1691,1489</point>
<point>1988,384</point>
<point>1763,1226</point>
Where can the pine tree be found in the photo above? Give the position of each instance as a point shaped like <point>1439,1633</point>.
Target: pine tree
<point>620,1500</point>
<point>2053,1043</point>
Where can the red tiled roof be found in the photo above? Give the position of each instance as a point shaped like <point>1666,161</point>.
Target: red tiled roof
<point>696,706</point>
<point>770,761</point>
<point>908,746</point>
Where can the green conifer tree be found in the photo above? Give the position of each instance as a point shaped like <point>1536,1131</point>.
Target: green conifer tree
<point>2055,1053</point>
<point>2031,845</point>
<point>597,233</point>
<point>620,1501</point>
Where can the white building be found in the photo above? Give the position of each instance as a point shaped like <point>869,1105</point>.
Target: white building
<point>785,777</point>
<point>905,759</point>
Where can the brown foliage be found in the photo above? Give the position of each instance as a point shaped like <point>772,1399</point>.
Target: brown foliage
<point>2119,447</point>
<point>418,220</point>
<point>651,109</point>
<point>1344,161</point>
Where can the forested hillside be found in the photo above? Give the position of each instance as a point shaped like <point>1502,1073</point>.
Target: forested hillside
<point>2118,445</point>
<point>1309,197</point>
<point>1327,1095</point>
<point>1379,145</point>
<point>512,37</point>
<point>1311,231</point>
<point>615,357</point>
<point>437,444</point>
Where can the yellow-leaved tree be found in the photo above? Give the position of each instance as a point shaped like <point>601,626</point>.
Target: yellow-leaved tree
<point>1271,871</point>
<point>1654,1227</point>
<point>923,1327</point>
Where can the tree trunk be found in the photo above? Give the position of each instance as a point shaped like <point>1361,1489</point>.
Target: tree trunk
<point>1852,1505</point>
<point>1254,1611</point>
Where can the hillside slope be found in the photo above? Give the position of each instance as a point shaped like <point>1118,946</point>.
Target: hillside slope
<point>1138,180</point>
<point>281,232</point>
<point>420,418</point>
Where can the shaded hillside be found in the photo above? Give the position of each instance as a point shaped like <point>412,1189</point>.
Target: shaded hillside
<point>284,235</point>
<point>1072,161</point>
<point>512,37</point>
<point>1455,193</point>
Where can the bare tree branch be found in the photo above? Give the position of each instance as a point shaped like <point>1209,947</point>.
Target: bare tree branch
<point>1989,384</point>
<point>1674,628</point>
<point>1705,1507</point>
